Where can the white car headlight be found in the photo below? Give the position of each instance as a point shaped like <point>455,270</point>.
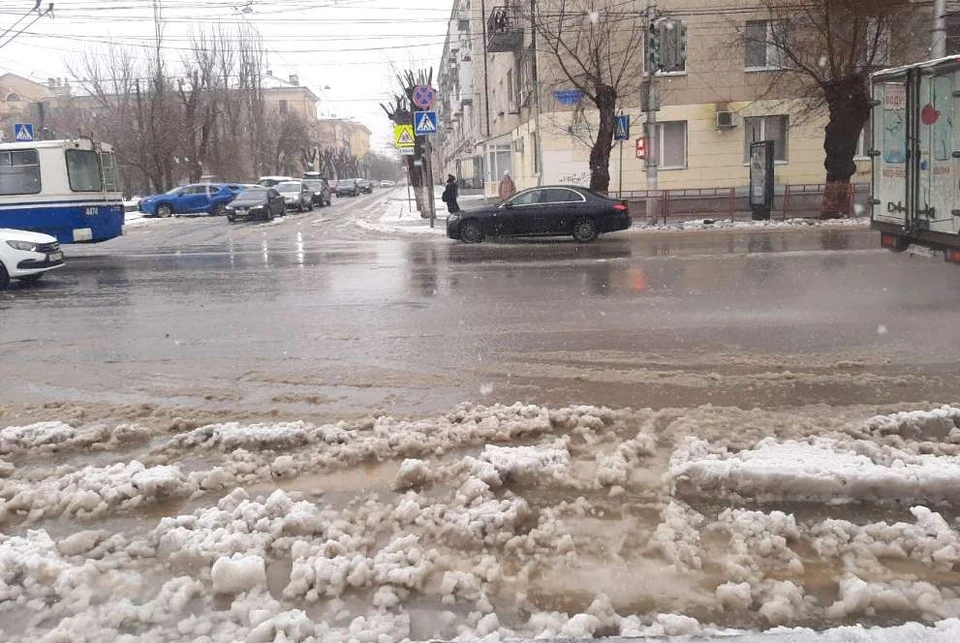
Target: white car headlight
<point>26,246</point>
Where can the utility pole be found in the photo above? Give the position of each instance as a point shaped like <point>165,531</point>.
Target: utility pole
<point>486,76</point>
<point>651,61</point>
<point>938,46</point>
<point>537,147</point>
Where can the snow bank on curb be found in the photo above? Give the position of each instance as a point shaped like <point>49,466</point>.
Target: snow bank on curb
<point>727,224</point>
<point>824,470</point>
<point>233,435</point>
<point>92,491</point>
<point>46,437</point>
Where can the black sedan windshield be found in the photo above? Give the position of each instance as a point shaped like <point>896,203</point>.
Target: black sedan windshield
<point>251,196</point>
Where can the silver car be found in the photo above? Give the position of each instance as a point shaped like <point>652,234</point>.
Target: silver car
<point>296,194</point>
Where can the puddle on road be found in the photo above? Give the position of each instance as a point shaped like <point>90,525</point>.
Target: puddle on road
<point>358,480</point>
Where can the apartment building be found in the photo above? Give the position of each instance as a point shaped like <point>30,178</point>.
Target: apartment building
<point>729,93</point>
<point>344,134</point>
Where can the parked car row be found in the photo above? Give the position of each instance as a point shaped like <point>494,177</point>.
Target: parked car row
<point>200,198</point>
<point>213,198</point>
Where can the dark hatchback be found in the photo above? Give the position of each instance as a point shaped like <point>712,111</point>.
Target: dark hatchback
<point>321,191</point>
<point>257,203</point>
<point>552,210</point>
<point>348,187</point>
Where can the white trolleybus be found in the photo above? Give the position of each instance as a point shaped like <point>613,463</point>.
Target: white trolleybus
<point>69,189</point>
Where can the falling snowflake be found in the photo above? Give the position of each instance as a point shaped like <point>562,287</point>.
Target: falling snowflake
<point>823,61</point>
<point>486,389</point>
<point>881,330</point>
<point>593,16</point>
<point>858,209</point>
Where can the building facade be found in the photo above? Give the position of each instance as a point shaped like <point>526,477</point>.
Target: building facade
<point>729,93</point>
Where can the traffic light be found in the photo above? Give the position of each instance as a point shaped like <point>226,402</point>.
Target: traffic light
<point>672,34</point>
<point>653,47</point>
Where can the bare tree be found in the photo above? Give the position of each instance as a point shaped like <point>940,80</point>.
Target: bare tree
<point>200,99</point>
<point>288,134</point>
<point>597,46</point>
<point>400,113</point>
<point>826,51</point>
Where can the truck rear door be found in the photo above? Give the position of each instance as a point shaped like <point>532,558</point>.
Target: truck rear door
<point>938,171</point>
<point>890,160</point>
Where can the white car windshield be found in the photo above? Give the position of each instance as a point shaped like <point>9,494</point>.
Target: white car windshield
<point>287,188</point>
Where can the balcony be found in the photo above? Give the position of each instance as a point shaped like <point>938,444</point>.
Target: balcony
<point>503,30</point>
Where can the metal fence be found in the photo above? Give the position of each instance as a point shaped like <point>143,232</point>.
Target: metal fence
<point>790,202</point>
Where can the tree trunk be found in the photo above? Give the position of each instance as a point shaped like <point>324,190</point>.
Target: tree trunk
<point>848,102</point>
<point>606,101</point>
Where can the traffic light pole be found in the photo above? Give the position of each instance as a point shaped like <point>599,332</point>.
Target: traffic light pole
<point>652,160</point>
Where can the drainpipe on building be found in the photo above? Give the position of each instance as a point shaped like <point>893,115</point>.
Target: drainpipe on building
<point>938,46</point>
<point>537,147</point>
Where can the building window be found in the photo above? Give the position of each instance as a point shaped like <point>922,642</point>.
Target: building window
<point>876,45</point>
<point>283,106</point>
<point>14,97</point>
<point>671,144</point>
<point>766,128</point>
<point>761,44</point>
<point>953,32</point>
<point>510,104</point>
<point>865,143</point>
<point>533,150</point>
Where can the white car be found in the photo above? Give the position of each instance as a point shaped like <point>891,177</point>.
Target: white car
<point>27,255</point>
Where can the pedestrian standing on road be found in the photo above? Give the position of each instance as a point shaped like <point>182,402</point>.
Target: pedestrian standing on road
<point>507,187</point>
<point>450,194</point>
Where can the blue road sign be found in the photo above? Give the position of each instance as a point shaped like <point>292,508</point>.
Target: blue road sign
<point>425,123</point>
<point>622,132</point>
<point>23,132</point>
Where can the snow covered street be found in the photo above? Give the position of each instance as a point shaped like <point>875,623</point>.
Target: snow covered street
<point>485,523</point>
<point>285,433</point>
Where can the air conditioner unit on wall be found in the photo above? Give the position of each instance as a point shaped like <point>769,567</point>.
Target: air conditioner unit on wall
<point>726,119</point>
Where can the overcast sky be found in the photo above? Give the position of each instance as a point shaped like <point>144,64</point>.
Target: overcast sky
<point>350,46</point>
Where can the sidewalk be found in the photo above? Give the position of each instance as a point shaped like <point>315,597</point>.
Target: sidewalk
<point>400,216</point>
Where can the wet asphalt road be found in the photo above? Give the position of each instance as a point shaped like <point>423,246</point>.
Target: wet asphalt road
<point>313,317</point>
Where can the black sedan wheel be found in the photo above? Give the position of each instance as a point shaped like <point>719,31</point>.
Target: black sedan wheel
<point>584,230</point>
<point>471,232</point>
<point>219,210</point>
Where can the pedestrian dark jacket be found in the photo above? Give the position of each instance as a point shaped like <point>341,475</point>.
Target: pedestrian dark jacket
<point>450,197</point>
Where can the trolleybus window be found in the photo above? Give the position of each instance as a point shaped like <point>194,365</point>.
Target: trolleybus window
<point>19,172</point>
<point>83,168</point>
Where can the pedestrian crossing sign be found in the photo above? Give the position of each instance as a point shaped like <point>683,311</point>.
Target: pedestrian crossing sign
<point>23,132</point>
<point>425,123</point>
<point>403,136</point>
<point>622,131</point>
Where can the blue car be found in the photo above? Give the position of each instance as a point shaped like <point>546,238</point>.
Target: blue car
<point>202,198</point>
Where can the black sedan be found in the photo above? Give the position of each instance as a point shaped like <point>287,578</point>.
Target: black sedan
<point>348,187</point>
<point>552,210</point>
<point>321,191</point>
<point>257,203</point>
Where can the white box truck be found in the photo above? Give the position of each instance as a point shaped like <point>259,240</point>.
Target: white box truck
<point>916,157</point>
